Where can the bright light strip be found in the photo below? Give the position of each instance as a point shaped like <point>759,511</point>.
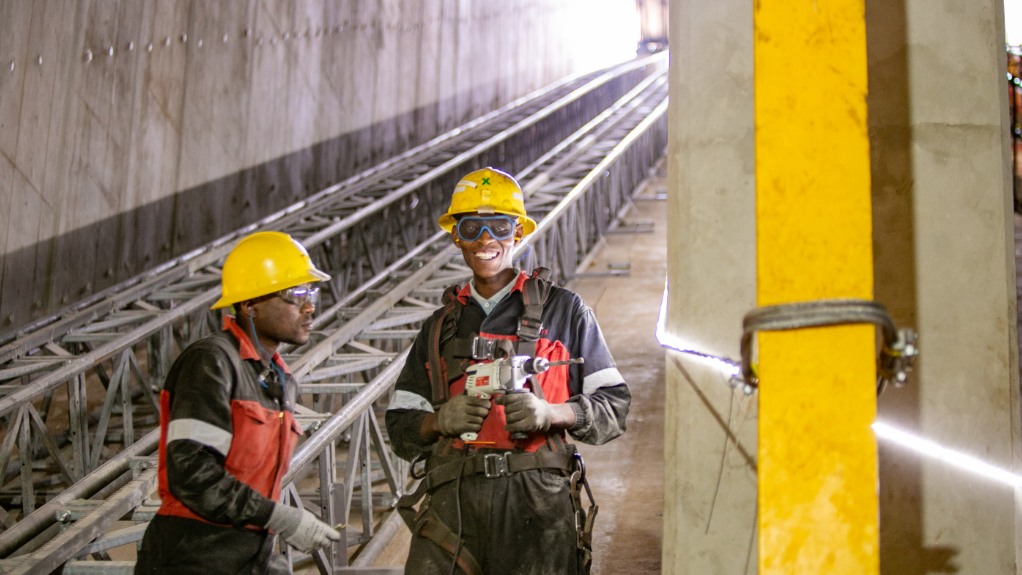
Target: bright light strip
<point>949,456</point>
<point>669,340</point>
<point>882,430</point>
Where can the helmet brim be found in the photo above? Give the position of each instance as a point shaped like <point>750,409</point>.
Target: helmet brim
<point>312,276</point>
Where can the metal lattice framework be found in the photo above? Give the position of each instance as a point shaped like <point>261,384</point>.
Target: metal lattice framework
<point>374,233</point>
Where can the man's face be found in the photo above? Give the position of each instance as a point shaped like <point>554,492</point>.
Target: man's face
<point>281,321</point>
<point>487,256</point>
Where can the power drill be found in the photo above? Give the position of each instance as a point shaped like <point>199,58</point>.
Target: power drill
<point>503,376</point>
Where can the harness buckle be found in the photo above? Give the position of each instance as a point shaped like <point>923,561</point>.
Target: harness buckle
<point>496,465</point>
<point>482,348</point>
<point>529,329</point>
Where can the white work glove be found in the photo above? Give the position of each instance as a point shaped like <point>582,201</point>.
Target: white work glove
<point>462,414</point>
<point>525,412</point>
<point>300,528</point>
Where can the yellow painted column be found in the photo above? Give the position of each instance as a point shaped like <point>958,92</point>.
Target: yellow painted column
<point>818,508</point>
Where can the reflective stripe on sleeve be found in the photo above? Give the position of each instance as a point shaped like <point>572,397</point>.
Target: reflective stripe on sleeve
<point>409,400</point>
<point>200,432</point>
<point>604,378</point>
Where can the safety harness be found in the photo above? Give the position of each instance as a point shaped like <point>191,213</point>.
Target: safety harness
<point>448,357</point>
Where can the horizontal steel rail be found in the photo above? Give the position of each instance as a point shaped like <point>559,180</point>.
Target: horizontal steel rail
<point>396,296</point>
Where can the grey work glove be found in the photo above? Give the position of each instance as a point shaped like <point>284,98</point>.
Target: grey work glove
<point>300,528</point>
<point>461,414</point>
<point>525,412</point>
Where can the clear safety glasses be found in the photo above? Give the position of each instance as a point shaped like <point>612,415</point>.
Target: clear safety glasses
<point>499,227</point>
<point>300,295</point>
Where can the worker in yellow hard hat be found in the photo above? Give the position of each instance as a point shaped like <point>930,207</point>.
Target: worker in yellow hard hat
<point>227,425</point>
<point>488,201</point>
<point>499,470</point>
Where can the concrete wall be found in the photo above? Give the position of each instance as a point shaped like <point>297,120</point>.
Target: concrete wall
<point>944,242</point>
<point>210,114</point>
<point>710,439</point>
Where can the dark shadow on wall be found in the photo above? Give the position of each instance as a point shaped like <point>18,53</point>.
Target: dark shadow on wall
<point>902,545</point>
<point>43,278</point>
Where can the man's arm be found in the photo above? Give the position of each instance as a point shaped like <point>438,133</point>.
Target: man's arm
<point>199,438</point>
<point>600,398</point>
<point>411,424</point>
<point>405,428</point>
<point>600,414</point>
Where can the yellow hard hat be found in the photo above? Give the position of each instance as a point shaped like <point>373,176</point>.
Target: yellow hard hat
<point>263,263</point>
<point>487,191</point>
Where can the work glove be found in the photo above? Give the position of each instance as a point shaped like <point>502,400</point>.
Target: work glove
<point>300,528</point>
<point>462,414</point>
<point>525,412</point>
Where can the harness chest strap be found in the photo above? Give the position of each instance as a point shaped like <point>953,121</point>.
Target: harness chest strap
<point>443,330</point>
<point>530,325</point>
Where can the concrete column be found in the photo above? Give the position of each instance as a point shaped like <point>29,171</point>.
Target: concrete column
<point>942,257</point>
<point>709,490</point>
<point>943,237</point>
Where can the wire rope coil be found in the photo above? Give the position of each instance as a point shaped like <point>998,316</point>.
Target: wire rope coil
<point>897,351</point>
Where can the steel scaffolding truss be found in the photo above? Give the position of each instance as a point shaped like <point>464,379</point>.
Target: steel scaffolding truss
<point>375,234</point>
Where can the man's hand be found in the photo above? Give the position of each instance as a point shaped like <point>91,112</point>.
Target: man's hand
<point>461,414</point>
<point>526,413</point>
<point>300,528</point>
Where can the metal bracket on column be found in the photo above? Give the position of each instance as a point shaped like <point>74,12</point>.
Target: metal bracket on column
<point>897,354</point>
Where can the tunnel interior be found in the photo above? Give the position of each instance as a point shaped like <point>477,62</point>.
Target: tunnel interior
<point>141,141</point>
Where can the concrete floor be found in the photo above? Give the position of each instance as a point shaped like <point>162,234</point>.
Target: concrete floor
<point>626,474</point>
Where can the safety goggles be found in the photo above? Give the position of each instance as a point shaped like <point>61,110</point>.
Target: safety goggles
<point>499,227</point>
<point>300,295</point>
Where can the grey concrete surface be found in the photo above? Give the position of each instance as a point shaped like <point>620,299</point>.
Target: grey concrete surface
<point>627,474</point>
<point>710,439</point>
<point>111,164</point>
<point>944,241</point>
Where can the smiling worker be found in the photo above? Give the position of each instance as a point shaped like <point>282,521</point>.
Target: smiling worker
<point>226,426</point>
<point>500,505</point>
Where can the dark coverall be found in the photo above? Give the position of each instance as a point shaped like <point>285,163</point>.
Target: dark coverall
<point>522,523</point>
<point>226,438</point>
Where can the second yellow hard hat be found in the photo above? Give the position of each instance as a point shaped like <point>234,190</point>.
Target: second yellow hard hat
<point>263,263</point>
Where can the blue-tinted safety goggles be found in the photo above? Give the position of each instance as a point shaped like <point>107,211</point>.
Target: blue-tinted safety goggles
<point>300,295</point>
<point>499,227</point>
